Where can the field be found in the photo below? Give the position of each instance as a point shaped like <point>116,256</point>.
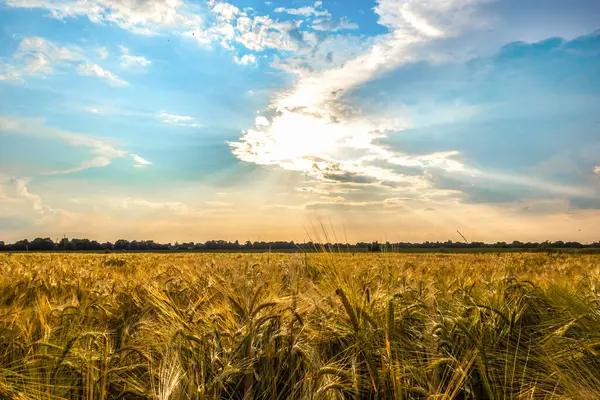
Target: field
<point>299,326</point>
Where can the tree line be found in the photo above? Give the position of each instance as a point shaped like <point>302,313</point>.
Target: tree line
<point>65,244</point>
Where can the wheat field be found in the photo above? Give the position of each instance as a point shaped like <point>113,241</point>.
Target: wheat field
<point>299,326</point>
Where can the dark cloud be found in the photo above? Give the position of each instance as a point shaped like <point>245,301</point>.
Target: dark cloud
<point>349,177</point>
<point>586,203</point>
<point>478,192</point>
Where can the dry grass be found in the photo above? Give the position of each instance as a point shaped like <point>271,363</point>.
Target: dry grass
<point>314,326</point>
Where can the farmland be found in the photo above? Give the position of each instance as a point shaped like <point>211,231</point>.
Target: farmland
<point>299,326</point>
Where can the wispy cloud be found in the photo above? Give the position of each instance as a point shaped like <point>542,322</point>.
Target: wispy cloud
<point>36,56</point>
<point>135,63</point>
<point>40,57</point>
<point>102,150</point>
<point>179,120</point>
<point>245,59</point>
<point>143,205</point>
<point>102,53</point>
<point>140,17</point>
<point>139,161</point>
<point>123,111</point>
<point>96,70</point>
<point>306,11</point>
<point>334,25</point>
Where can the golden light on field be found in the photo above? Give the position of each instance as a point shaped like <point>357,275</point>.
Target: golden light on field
<point>302,326</point>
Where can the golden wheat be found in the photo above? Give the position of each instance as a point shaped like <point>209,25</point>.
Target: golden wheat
<point>310,326</point>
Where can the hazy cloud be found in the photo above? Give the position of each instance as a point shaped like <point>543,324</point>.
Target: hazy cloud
<point>142,17</point>
<point>102,150</point>
<point>90,69</point>
<point>306,11</point>
<point>135,63</point>
<point>179,120</point>
<point>37,56</point>
<point>334,25</point>
<point>139,161</point>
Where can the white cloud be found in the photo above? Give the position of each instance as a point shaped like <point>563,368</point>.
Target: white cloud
<point>139,161</point>
<point>100,161</point>
<point>305,11</point>
<point>102,53</point>
<point>245,59</point>
<point>16,188</point>
<point>261,121</point>
<point>124,111</point>
<point>135,63</point>
<point>225,11</point>
<point>597,170</point>
<point>431,19</point>
<point>141,16</point>
<point>226,24</point>
<point>315,130</point>
<point>334,25</point>
<point>9,73</point>
<point>90,69</point>
<point>179,120</point>
<point>175,207</point>
<point>22,206</point>
<point>261,32</point>
<point>103,151</point>
<point>37,56</point>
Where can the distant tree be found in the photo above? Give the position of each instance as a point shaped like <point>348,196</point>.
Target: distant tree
<point>44,244</point>
<point>121,244</point>
<point>375,247</point>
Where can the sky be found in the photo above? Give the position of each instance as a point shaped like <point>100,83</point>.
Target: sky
<point>346,120</point>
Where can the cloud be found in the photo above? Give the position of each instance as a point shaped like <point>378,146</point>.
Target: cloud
<point>37,56</point>
<point>306,11</point>
<point>179,120</point>
<point>225,11</point>
<point>597,170</point>
<point>349,177</point>
<point>316,129</point>
<point>102,53</point>
<point>143,205</point>
<point>9,73</point>
<point>20,207</point>
<point>144,17</point>
<point>135,63</point>
<point>334,25</point>
<point>139,161</point>
<point>245,59</point>
<point>96,70</point>
<point>102,150</point>
<point>431,19</point>
<point>226,23</point>
<point>261,121</point>
<point>261,32</point>
<point>125,111</point>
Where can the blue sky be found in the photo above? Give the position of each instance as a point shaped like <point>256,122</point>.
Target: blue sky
<point>388,119</point>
